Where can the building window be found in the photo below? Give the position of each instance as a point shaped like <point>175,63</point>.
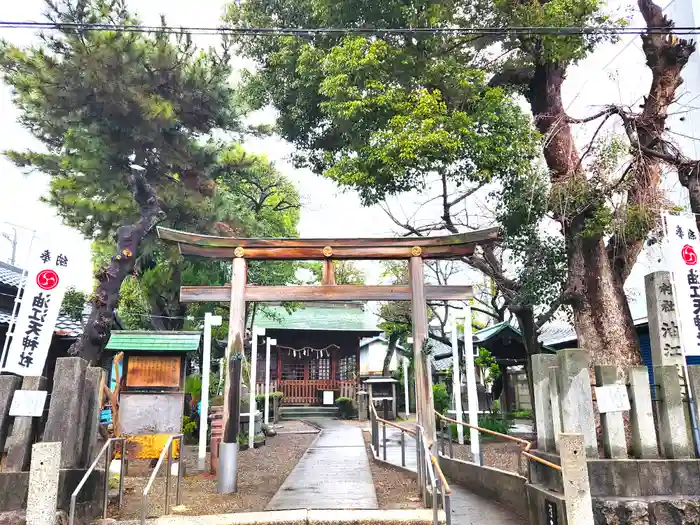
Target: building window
<point>293,371</point>
<point>347,368</point>
<point>320,369</point>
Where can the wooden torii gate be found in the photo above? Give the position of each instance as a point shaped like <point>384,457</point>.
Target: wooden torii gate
<point>413,249</point>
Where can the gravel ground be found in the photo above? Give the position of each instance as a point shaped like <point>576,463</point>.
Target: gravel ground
<point>261,472</point>
<point>504,455</point>
<point>395,488</point>
<point>294,427</point>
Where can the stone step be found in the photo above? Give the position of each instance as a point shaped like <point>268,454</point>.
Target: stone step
<point>303,412</point>
<point>297,517</point>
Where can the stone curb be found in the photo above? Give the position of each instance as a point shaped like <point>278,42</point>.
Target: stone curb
<point>299,517</point>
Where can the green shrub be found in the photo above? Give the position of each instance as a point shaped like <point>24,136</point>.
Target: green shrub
<point>522,414</point>
<point>441,399</point>
<point>346,408</point>
<point>491,421</point>
<point>260,400</point>
<point>193,386</point>
<point>189,427</point>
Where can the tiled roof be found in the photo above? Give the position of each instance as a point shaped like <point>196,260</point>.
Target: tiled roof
<point>440,356</point>
<point>336,317</point>
<point>65,325</point>
<point>370,340</point>
<point>154,341</point>
<point>558,333</point>
<point>10,275</point>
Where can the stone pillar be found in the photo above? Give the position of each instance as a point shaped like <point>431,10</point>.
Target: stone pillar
<point>613,426</point>
<point>393,400</point>
<point>576,398</point>
<point>42,496</point>
<point>664,333</point>
<point>540,365</point>
<point>577,489</point>
<point>673,424</point>
<point>644,444</point>
<point>362,407</point>
<point>8,385</point>
<point>23,432</point>
<point>275,409</point>
<point>91,404</point>
<point>555,403</point>
<point>66,422</point>
<point>664,330</point>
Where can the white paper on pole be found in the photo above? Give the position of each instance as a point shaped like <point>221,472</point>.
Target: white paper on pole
<point>28,403</point>
<point>48,274</point>
<point>682,252</point>
<point>612,398</point>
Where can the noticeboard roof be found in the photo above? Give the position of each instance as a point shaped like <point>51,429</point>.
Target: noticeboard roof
<point>154,341</point>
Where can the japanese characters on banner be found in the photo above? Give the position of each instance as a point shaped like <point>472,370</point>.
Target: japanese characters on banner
<point>43,293</point>
<point>683,250</point>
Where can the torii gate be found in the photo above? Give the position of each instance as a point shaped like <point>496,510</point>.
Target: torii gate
<point>413,249</point>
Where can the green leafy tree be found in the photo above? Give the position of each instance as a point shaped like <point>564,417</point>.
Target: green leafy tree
<point>101,101</point>
<point>345,272</point>
<point>605,201</point>
<point>397,113</point>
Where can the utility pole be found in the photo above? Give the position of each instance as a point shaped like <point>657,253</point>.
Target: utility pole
<point>13,241</point>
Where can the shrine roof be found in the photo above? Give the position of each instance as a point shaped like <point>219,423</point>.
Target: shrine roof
<point>348,317</point>
<point>141,341</point>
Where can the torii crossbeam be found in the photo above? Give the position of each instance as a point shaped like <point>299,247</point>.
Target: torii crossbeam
<point>412,249</point>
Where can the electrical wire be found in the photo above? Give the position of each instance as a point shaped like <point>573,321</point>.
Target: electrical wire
<point>295,31</point>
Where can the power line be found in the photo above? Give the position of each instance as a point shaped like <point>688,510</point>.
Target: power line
<point>295,31</point>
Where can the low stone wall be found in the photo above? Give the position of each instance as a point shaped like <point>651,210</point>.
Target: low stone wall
<point>14,487</point>
<point>505,487</point>
<point>542,503</point>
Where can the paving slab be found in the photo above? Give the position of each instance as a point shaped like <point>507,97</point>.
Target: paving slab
<point>471,509</point>
<point>334,473</point>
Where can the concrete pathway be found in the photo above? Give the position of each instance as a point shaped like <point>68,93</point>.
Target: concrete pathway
<point>334,473</point>
<point>467,508</point>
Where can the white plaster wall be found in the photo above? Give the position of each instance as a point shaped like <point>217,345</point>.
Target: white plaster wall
<point>372,358</point>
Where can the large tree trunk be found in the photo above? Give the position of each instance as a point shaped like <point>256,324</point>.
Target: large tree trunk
<point>528,328</point>
<point>390,350</point>
<point>602,318</point>
<point>106,297</point>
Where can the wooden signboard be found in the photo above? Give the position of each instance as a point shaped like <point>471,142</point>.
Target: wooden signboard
<point>153,371</point>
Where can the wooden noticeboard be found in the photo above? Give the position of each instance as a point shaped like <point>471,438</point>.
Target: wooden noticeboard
<point>153,371</point>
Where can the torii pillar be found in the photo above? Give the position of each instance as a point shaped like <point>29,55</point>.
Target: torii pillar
<point>236,322</point>
<point>419,320</point>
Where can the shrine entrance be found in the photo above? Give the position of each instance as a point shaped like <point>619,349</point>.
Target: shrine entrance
<point>414,250</point>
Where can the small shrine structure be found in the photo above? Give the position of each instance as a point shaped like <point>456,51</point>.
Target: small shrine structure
<point>151,391</point>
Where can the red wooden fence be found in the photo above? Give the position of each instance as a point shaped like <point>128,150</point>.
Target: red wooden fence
<point>299,392</point>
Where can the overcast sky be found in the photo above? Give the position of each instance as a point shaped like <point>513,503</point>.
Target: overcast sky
<point>614,74</point>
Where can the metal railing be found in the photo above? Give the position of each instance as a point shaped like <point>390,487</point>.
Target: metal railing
<point>435,481</point>
<point>167,451</point>
<point>107,447</point>
<point>436,491</point>
<point>375,421</point>
<point>525,444</point>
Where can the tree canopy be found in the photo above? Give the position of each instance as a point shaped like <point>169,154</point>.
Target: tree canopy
<point>101,102</point>
<point>440,115</point>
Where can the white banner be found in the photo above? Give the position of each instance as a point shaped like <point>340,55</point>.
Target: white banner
<point>36,320</point>
<point>682,254</point>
